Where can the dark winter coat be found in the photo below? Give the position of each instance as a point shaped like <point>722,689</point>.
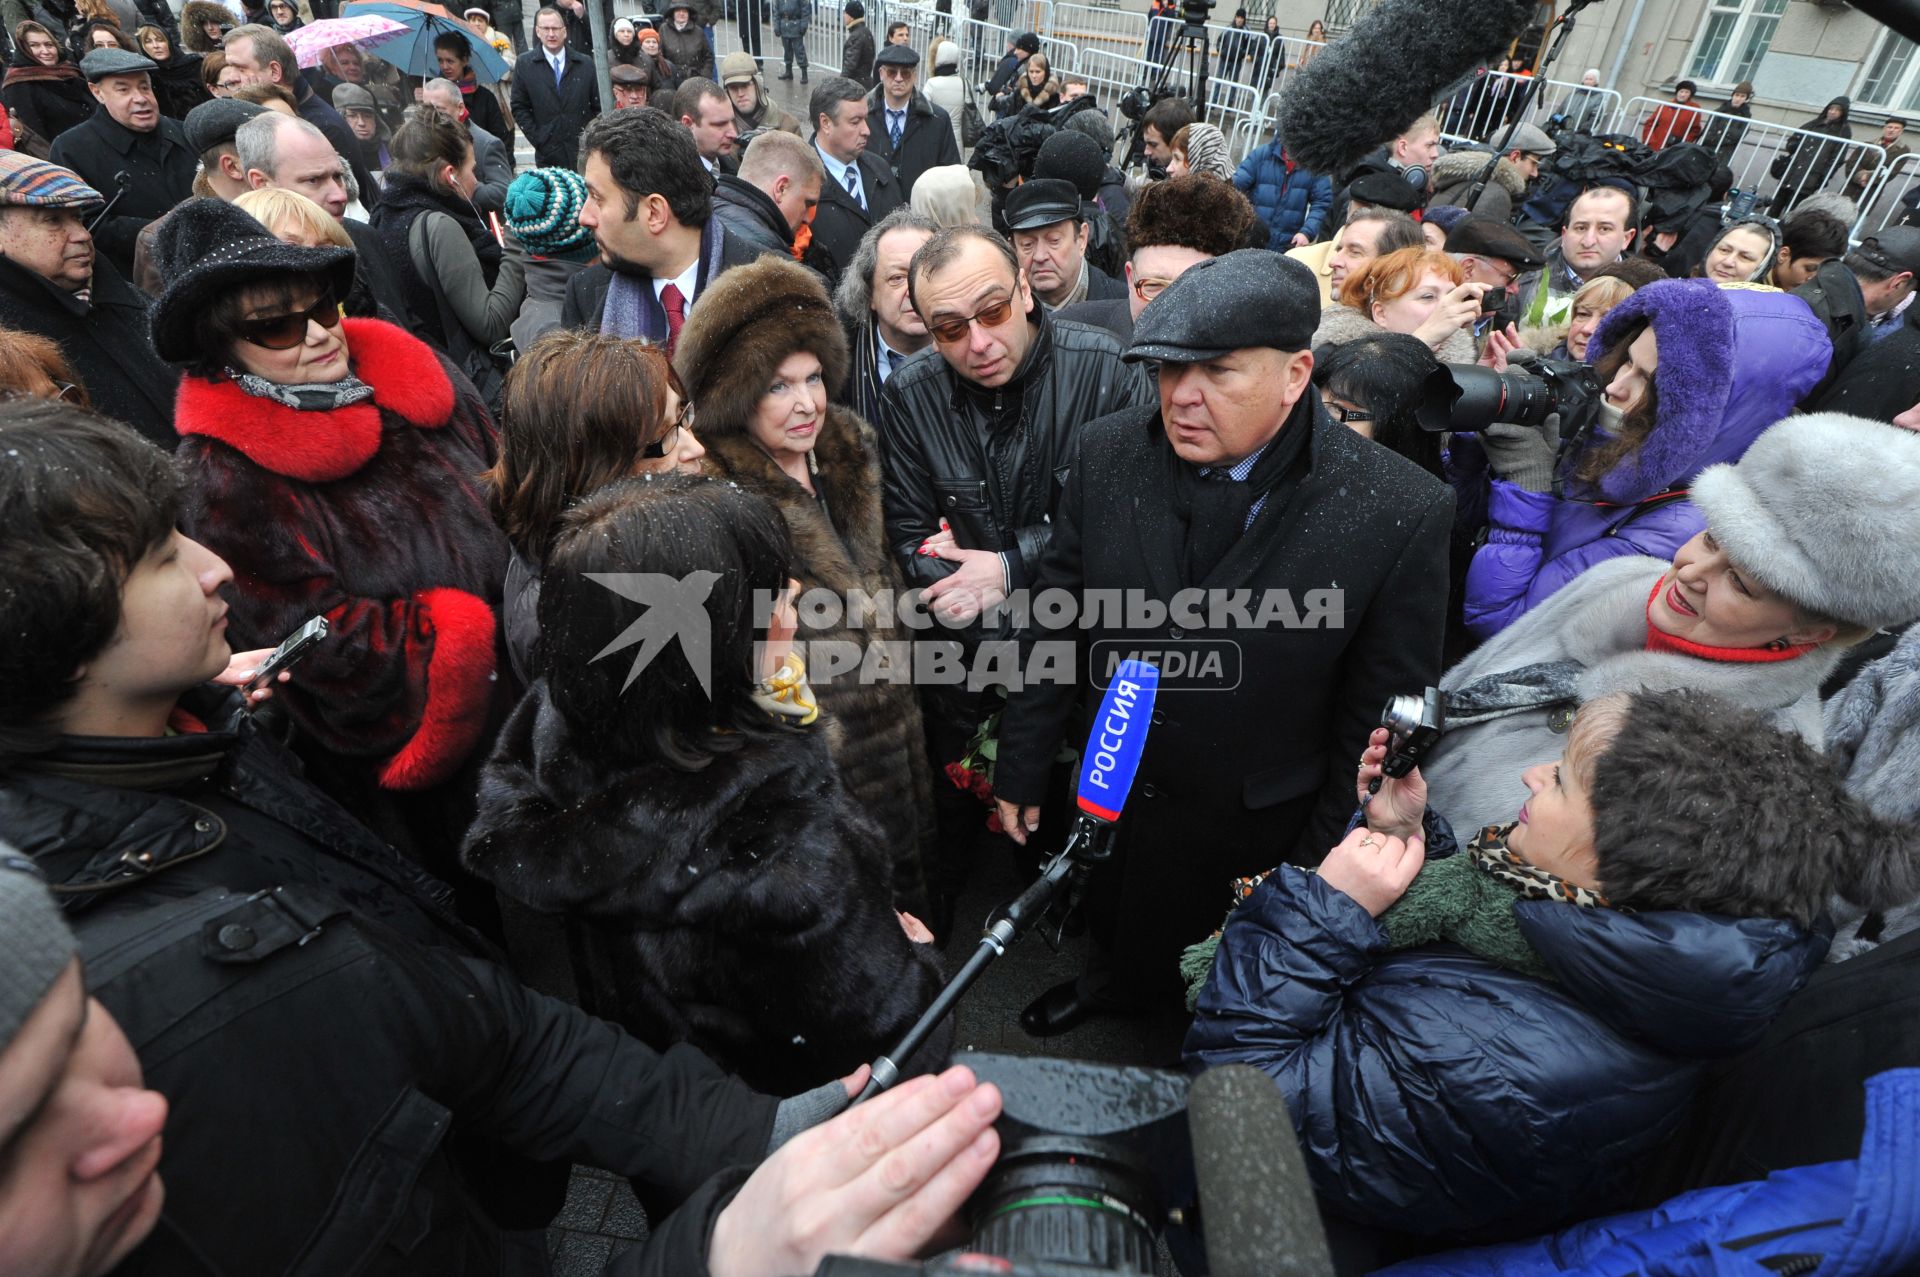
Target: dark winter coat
<point>839,222</point>
<point>1881,381</point>
<point>179,86</point>
<point>1291,200</point>
<point>856,56</point>
<point>750,215</point>
<point>1440,1095</point>
<point>389,1076</point>
<point>160,163</point>
<point>791,18</point>
<point>1812,163</point>
<point>124,823</point>
<point>1723,136</point>
<point>744,909</point>
<point>371,516</point>
<point>1232,779</point>
<point>992,462</point>
<point>104,340</point>
<point>926,141</point>
<point>551,116</point>
<point>688,50</point>
<point>586,302</point>
<point>1114,314</point>
<point>48,106</point>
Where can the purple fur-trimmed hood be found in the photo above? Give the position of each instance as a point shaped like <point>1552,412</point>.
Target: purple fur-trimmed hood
<point>1734,359</point>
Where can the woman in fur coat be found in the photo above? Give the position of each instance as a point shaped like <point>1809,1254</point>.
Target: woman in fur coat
<point>1410,290</point>
<point>760,356</point>
<point>677,802</point>
<point>335,464</point>
<point>1810,546</point>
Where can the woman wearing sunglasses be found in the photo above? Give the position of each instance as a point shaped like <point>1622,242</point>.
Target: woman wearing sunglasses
<point>762,353</point>
<point>333,463</point>
<point>582,409</point>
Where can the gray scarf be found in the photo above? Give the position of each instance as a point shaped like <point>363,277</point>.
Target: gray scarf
<point>320,397</point>
<point>1515,691</point>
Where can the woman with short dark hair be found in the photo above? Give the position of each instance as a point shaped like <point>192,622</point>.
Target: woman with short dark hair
<point>664,785</point>
<point>1373,384</point>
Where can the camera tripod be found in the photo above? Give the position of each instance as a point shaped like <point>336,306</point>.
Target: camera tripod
<point>1195,43</point>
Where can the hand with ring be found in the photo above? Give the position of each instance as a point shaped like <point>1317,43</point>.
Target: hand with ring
<point>1400,805</point>
<point>1374,869</point>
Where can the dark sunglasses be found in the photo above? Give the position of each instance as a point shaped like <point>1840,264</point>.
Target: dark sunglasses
<point>670,441</point>
<point>952,330</point>
<point>284,332</point>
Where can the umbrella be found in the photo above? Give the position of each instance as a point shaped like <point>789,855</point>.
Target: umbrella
<point>411,50</point>
<point>315,38</point>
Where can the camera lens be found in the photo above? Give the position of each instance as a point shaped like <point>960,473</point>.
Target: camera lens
<point>1466,397</point>
<point>1068,1200</point>
<point>1401,715</point>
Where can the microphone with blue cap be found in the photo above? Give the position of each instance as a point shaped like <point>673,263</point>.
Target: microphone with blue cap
<point>1108,766</point>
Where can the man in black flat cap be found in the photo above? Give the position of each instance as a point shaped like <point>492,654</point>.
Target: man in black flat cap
<point>1299,574</point>
<point>127,134</point>
<point>1049,232</point>
<point>907,132</point>
<point>1495,254</point>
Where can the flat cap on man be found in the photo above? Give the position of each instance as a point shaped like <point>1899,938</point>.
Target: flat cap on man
<point>29,183</point>
<point>897,55</point>
<point>1893,248</point>
<point>214,123</point>
<point>351,97</point>
<point>1042,202</point>
<point>626,73</point>
<point>738,68</point>
<point>1531,139</point>
<point>1385,190</point>
<point>1249,298</point>
<point>1489,237</point>
<point>101,63</point>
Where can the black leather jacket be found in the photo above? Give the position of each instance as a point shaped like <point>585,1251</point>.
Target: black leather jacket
<point>992,462</point>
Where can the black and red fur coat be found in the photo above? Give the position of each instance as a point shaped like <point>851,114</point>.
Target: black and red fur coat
<point>745,908</point>
<point>371,516</point>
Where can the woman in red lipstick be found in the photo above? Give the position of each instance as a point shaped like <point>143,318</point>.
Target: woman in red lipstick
<point>1810,546</point>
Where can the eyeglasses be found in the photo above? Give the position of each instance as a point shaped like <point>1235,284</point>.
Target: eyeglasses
<point>952,330</point>
<point>284,332</point>
<point>1148,287</point>
<point>1347,416</point>
<point>67,392</point>
<point>670,441</point>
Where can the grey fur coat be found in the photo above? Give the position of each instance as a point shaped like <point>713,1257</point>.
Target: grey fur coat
<point>1599,621</point>
<point>1873,732</point>
<point>1341,323</point>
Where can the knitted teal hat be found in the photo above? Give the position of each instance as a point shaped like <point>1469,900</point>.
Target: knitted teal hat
<point>543,212</point>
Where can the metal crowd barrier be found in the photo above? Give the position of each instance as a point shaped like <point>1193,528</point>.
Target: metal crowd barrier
<point>1816,161</point>
<point>1481,111</point>
<point>1883,206</point>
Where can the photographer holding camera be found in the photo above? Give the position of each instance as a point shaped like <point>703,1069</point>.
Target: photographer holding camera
<point>1691,374</point>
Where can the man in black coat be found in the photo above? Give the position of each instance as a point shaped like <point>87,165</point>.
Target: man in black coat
<point>774,194</point>
<point>651,215</point>
<point>127,135</point>
<point>860,187</point>
<point>1048,225</point>
<point>554,94</point>
<point>897,110</point>
<point>262,56</point>
<point>1299,576</point>
<point>856,51</point>
<point>52,284</point>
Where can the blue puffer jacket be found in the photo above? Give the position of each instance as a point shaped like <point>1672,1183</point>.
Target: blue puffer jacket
<point>1855,1219</point>
<point>1440,1095</point>
<point>1290,199</point>
<point>1733,361</point>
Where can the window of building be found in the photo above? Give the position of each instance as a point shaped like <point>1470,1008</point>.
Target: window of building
<point>1890,79</point>
<point>1733,38</point>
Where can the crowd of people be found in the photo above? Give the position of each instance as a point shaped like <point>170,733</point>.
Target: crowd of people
<point>692,515</point>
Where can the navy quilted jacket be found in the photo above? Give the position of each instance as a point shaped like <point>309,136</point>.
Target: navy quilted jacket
<point>1289,202</point>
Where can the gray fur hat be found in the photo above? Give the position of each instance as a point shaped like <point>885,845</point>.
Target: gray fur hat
<point>35,945</point>
<point>1702,806</point>
<point>1821,508</point>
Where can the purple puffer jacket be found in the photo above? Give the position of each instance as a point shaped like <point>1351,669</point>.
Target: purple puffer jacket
<point>1733,360</point>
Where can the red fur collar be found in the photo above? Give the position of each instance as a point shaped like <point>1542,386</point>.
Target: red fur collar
<point>316,447</point>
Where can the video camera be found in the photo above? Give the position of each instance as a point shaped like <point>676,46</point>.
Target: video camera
<point>1137,101</point>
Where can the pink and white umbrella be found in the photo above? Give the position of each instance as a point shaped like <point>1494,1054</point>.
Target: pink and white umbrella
<point>315,38</point>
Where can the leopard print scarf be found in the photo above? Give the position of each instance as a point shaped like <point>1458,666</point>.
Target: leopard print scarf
<point>1490,854</point>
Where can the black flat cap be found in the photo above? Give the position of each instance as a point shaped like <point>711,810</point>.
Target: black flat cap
<point>1485,237</point>
<point>101,63</point>
<point>897,55</point>
<point>213,123</point>
<point>1385,190</point>
<point>206,247</point>
<point>1042,202</point>
<point>1249,298</point>
<point>1893,248</point>
<point>1027,42</point>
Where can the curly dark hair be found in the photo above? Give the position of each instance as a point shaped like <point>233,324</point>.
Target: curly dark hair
<point>1197,211</point>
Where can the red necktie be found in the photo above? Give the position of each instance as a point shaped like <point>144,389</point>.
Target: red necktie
<point>676,307</point>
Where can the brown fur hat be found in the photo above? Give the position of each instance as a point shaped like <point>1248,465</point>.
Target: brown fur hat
<point>196,14</point>
<point>741,330</point>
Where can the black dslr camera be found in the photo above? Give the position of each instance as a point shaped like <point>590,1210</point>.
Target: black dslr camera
<point>1469,398</point>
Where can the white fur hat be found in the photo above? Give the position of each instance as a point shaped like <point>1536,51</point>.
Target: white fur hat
<point>1825,509</point>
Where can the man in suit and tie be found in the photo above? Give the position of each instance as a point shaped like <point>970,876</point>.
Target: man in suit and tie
<point>554,93</point>
<point>910,133</point>
<point>1308,562</point>
<point>860,188</point>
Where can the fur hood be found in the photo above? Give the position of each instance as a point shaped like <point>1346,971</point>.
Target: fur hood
<point>1733,360</point>
<point>1341,323</point>
<point>1599,621</point>
<point>748,321</point>
<point>1464,166</point>
<point>194,15</point>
